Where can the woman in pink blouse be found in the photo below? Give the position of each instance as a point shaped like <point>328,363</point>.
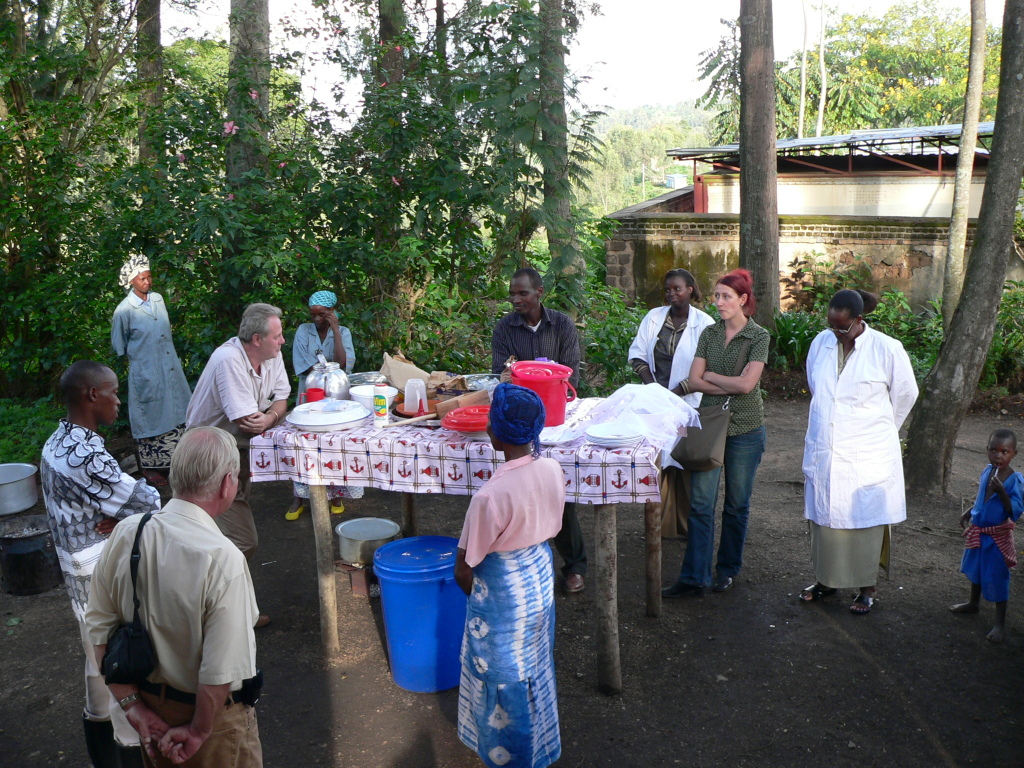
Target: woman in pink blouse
<point>508,708</point>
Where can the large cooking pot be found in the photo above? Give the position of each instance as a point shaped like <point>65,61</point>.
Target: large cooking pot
<point>17,488</point>
<point>358,539</point>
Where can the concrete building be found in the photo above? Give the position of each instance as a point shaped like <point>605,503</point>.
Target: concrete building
<point>875,201</point>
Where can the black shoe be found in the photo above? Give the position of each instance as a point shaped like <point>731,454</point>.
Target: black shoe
<point>721,584</point>
<point>681,589</point>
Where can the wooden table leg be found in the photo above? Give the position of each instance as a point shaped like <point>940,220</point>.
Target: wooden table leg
<point>652,536</point>
<point>609,670</point>
<point>325,569</point>
<point>410,527</point>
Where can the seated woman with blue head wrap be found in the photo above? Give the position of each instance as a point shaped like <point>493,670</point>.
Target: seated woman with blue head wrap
<point>508,709</point>
<point>324,335</point>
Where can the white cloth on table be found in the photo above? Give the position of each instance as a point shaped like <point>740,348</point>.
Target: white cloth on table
<point>853,467</point>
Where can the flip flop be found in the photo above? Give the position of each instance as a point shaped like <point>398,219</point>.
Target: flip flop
<point>862,605</point>
<point>816,592</point>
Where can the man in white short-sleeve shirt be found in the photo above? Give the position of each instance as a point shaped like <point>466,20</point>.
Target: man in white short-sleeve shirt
<point>244,390</point>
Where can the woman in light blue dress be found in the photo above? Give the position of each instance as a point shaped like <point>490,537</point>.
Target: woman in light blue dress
<point>326,335</point>
<point>158,392</point>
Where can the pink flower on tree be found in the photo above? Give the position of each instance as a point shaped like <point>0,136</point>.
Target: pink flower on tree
<point>281,165</point>
<point>230,129</point>
<point>254,94</point>
<point>231,195</point>
<point>181,158</point>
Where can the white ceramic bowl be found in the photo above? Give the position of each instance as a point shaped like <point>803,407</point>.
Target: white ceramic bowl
<point>364,394</point>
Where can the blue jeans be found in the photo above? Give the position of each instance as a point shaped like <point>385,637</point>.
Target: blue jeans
<point>742,457</point>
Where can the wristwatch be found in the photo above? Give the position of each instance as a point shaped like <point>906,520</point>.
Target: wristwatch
<point>128,700</point>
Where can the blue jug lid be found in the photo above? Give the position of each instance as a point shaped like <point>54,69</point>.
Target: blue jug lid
<point>417,553</point>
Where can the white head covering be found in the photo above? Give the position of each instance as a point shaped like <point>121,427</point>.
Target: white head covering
<point>132,268</point>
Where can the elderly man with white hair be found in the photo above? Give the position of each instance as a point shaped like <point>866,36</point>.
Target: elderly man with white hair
<point>197,603</point>
<point>244,390</point>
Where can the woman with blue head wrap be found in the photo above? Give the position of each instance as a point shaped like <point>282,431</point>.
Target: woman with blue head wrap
<point>508,710</point>
<point>325,334</point>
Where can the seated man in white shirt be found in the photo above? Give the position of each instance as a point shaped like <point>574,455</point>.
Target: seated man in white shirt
<point>244,390</point>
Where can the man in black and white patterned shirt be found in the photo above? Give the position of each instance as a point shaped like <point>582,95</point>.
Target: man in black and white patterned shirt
<point>86,493</point>
<point>532,332</point>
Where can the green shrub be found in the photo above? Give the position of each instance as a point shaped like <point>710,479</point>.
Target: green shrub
<point>920,332</point>
<point>793,334</point>
<point>1004,366</point>
<point>24,427</point>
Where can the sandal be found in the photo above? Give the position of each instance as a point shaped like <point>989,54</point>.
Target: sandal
<point>862,605</point>
<point>290,515</point>
<point>816,592</point>
<point>337,507</point>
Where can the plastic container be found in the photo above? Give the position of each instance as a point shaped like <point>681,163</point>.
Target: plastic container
<point>27,556</point>
<point>551,382</point>
<point>364,394</point>
<point>424,611</point>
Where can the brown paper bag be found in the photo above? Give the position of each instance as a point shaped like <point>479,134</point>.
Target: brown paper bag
<point>399,369</point>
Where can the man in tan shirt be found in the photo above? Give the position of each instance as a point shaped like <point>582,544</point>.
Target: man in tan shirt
<point>195,705</point>
<point>244,390</point>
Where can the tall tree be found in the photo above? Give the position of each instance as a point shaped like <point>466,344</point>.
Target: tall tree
<point>567,260</point>
<point>803,76</point>
<point>822,75</point>
<point>150,66</point>
<point>248,87</point>
<point>955,248</point>
<point>391,14</point>
<point>759,211</point>
<point>950,385</point>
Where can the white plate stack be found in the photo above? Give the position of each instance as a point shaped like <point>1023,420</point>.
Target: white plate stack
<point>328,415</point>
<point>613,435</point>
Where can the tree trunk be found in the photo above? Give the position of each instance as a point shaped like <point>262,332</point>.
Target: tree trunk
<point>822,73</point>
<point>759,216</point>
<point>392,24</point>
<point>803,76</point>
<point>955,249</point>
<point>566,260</point>
<point>150,66</point>
<point>248,86</point>
<point>950,385</point>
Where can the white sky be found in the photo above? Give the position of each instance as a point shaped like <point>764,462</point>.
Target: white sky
<point>637,52</point>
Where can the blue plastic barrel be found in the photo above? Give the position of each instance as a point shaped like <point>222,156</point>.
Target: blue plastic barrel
<point>424,611</point>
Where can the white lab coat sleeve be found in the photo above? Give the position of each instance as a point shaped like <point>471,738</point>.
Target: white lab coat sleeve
<point>812,359</point>
<point>902,383</point>
<point>642,347</point>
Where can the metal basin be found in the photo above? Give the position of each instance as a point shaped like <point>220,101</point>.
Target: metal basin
<point>17,488</point>
<point>358,539</point>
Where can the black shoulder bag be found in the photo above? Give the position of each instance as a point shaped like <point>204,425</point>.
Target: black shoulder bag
<point>130,656</point>
<point>703,448</point>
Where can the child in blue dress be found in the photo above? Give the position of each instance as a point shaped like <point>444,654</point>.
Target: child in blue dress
<point>989,551</point>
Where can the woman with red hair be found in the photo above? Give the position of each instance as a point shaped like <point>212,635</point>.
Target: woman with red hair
<point>734,342</point>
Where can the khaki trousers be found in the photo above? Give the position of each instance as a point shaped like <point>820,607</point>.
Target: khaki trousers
<point>674,484</point>
<point>237,522</point>
<point>234,743</point>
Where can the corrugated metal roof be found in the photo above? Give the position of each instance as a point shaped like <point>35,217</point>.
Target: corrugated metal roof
<point>852,140</point>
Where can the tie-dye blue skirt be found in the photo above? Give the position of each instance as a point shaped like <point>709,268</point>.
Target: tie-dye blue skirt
<point>508,708</point>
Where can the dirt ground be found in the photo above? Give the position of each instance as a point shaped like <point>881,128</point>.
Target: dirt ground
<point>750,677</point>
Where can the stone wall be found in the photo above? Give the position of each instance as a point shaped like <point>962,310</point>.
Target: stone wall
<point>896,252</point>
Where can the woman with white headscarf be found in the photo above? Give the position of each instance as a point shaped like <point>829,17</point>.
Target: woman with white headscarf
<point>326,335</point>
<point>158,393</point>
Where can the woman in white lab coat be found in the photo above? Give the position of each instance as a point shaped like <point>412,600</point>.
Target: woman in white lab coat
<point>862,387</point>
<point>662,353</point>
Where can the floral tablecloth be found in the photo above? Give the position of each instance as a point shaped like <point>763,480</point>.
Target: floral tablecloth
<point>417,459</point>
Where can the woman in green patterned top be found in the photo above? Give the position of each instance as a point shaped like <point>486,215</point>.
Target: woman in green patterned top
<point>717,358</point>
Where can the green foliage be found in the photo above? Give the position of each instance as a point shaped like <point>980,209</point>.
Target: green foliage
<point>919,332</point>
<point>1004,365</point>
<point>793,334</point>
<point>611,325</point>
<point>24,427</point>
<point>905,67</point>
